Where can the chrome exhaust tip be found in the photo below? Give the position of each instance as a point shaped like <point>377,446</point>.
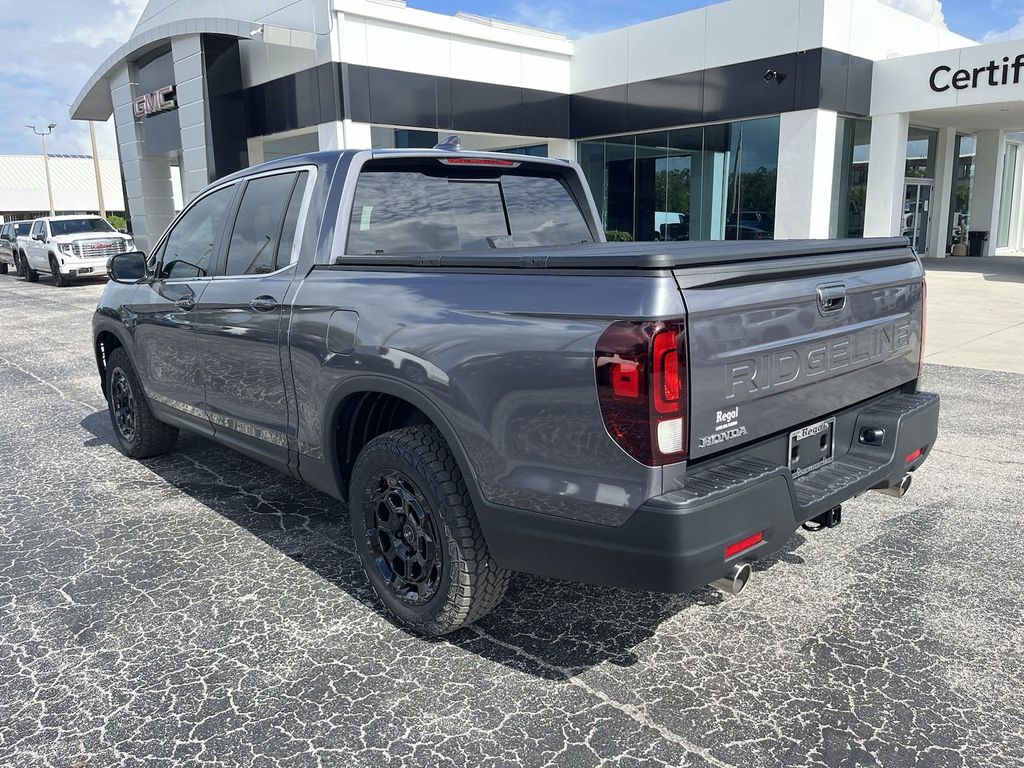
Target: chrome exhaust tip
<point>735,581</point>
<point>898,491</point>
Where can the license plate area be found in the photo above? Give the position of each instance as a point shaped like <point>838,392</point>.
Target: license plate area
<point>812,447</point>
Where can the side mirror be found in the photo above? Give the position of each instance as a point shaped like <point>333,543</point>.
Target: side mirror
<point>40,237</point>
<point>127,268</point>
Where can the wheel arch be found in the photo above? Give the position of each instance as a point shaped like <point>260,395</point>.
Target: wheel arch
<point>364,407</point>
<point>106,340</point>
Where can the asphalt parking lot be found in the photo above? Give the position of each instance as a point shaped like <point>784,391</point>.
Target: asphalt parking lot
<point>199,609</point>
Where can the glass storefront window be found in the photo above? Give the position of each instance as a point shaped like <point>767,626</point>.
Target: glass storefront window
<point>850,180</point>
<point>1006,196</point>
<point>921,148</point>
<point>706,183</point>
<point>960,194</point>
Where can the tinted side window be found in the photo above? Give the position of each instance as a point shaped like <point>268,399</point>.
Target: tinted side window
<point>290,230</point>
<point>257,230</point>
<point>37,228</point>
<point>190,246</point>
<point>542,212</point>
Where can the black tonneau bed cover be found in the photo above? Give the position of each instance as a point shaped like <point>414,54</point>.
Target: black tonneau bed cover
<point>652,255</point>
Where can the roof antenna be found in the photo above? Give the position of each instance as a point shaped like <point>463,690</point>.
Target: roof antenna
<point>450,144</point>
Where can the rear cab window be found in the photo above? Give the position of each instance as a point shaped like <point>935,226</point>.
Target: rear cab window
<point>424,205</point>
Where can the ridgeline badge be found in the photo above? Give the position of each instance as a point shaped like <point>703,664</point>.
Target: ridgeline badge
<point>161,100</point>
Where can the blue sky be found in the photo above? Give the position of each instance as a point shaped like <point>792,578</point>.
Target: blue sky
<point>53,46</point>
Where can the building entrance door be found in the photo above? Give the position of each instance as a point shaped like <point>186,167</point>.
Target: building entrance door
<point>916,214</point>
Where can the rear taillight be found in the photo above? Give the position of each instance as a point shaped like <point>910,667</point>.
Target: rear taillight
<point>642,386</point>
<point>924,327</point>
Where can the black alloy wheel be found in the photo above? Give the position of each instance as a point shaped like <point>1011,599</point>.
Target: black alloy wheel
<point>417,535</point>
<point>403,537</point>
<point>122,404</point>
<point>58,279</point>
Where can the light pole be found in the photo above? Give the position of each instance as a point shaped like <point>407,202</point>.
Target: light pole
<point>46,160</point>
<point>96,165</point>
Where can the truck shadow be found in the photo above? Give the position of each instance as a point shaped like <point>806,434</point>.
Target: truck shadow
<point>550,629</point>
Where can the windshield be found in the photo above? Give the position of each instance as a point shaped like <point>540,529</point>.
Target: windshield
<point>78,226</point>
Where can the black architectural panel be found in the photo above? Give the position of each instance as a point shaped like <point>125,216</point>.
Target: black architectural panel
<point>858,89</point>
<point>807,85</point>
<point>226,113</point>
<point>744,90</point>
<point>300,100</point>
<point>666,101</point>
<point>486,107</point>
<point>545,114</point>
<point>355,86</point>
<point>805,80</point>
<point>404,98</point>
<point>598,112</point>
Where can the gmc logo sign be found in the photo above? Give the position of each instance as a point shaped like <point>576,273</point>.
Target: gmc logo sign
<point>161,100</point>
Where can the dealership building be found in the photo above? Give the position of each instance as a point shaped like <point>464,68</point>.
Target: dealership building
<point>745,119</point>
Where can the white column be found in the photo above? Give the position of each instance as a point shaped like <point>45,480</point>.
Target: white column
<point>564,149</point>
<point>887,171</point>
<point>147,180</point>
<point>988,185</point>
<point>187,53</point>
<point>807,152</point>
<point>344,134</point>
<point>945,163</point>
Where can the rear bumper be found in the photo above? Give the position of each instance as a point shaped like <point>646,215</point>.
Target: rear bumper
<point>677,542</point>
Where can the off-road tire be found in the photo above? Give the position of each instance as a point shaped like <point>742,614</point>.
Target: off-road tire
<point>471,584</point>
<point>19,265</point>
<point>3,267</point>
<point>30,274</point>
<point>58,279</point>
<point>149,437</point>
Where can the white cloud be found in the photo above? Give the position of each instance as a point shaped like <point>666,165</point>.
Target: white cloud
<point>929,10</point>
<point>556,16</point>
<point>45,65</point>
<point>1016,32</point>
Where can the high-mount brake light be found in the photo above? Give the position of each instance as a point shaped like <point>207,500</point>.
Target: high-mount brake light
<point>643,389</point>
<point>484,161</point>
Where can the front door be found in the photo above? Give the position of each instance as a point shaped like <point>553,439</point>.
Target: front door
<point>916,214</point>
<point>166,356</point>
<point>239,318</point>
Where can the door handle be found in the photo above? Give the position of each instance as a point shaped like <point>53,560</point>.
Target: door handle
<point>264,304</point>
<point>186,303</point>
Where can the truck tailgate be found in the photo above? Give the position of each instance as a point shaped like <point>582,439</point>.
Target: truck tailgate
<point>775,345</point>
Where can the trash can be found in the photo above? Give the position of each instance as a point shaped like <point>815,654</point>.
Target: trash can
<point>976,240</point>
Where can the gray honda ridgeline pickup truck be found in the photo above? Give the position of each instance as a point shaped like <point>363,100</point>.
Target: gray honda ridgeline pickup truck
<point>443,340</point>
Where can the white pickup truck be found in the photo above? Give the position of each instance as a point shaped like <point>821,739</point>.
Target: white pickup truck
<point>71,246</point>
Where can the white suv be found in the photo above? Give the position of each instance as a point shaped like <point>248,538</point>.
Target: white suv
<point>71,246</point>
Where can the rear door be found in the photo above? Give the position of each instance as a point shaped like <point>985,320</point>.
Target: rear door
<point>781,344</point>
<point>35,249</point>
<point>239,316</point>
<point>166,356</point>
